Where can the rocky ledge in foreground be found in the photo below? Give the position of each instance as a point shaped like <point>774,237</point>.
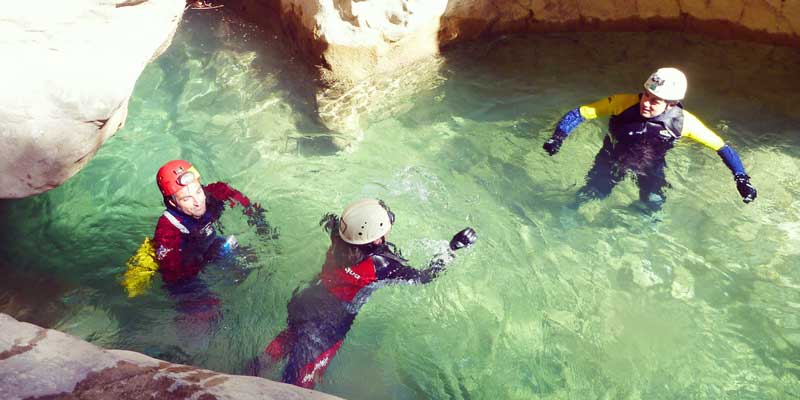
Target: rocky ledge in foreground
<point>38,363</point>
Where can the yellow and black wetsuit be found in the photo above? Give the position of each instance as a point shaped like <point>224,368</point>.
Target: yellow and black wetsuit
<point>639,145</point>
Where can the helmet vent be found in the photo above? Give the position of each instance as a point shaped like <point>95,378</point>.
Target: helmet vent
<point>368,221</point>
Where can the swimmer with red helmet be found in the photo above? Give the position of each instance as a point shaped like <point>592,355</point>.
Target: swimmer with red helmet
<point>186,240</point>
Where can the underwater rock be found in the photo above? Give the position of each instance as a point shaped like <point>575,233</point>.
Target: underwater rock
<point>71,69</point>
<point>44,363</point>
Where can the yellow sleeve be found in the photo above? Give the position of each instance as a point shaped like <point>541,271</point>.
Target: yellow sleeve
<point>611,105</point>
<point>694,129</point>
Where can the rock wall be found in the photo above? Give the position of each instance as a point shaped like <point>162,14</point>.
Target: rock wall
<point>356,43</point>
<point>69,69</point>
<point>351,43</point>
<point>43,363</point>
<point>772,21</point>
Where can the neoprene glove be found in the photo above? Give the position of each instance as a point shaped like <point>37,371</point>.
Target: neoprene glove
<point>745,188</point>
<point>463,239</point>
<point>553,144</point>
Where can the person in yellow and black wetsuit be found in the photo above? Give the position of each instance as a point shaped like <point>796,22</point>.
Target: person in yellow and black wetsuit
<point>642,128</point>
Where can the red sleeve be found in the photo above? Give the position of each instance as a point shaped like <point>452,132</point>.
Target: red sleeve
<point>167,240</point>
<point>223,192</point>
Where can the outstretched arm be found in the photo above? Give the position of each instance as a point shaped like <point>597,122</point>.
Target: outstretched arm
<point>224,192</point>
<point>611,105</point>
<point>388,266</point>
<point>694,129</point>
<point>254,211</point>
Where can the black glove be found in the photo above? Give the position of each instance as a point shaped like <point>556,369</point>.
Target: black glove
<point>746,190</point>
<point>553,144</point>
<point>256,216</point>
<point>463,239</point>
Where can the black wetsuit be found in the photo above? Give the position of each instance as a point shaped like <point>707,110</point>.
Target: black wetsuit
<point>320,315</point>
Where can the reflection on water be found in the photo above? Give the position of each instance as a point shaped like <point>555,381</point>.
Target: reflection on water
<point>553,302</point>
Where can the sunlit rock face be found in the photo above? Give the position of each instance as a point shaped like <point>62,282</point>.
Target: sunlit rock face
<point>357,43</point>
<point>68,70</point>
<point>44,363</point>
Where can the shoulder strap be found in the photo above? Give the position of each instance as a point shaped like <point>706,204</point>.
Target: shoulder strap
<point>174,221</point>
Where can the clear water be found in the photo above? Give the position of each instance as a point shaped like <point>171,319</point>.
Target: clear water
<point>552,303</point>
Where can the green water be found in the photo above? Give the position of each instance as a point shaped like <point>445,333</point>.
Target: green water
<point>601,302</point>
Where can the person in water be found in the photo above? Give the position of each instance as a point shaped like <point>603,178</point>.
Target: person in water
<point>642,128</point>
<point>359,260</point>
<point>186,239</point>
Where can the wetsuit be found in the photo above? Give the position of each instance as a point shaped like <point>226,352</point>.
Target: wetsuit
<point>321,314</point>
<point>184,245</point>
<point>639,145</point>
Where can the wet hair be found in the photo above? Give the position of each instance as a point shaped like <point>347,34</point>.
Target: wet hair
<point>341,253</point>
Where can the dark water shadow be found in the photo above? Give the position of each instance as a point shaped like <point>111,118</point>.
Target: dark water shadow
<point>29,295</point>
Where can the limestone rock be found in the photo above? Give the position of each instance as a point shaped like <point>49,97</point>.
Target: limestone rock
<point>69,69</point>
<point>354,43</point>
<point>36,362</point>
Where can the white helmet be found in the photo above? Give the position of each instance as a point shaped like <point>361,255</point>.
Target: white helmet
<point>364,221</point>
<point>667,83</point>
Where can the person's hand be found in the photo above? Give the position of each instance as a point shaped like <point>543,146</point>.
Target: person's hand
<point>745,188</point>
<point>553,144</point>
<point>256,216</point>
<point>463,239</point>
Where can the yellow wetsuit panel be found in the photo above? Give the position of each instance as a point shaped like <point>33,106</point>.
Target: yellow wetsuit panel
<point>694,129</point>
<point>611,105</point>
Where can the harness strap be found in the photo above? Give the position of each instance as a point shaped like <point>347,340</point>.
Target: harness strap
<point>174,221</point>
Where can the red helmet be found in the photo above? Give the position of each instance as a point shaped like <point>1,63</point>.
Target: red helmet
<point>174,176</point>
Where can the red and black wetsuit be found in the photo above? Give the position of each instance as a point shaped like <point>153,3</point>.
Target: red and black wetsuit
<point>185,244</point>
<point>321,315</point>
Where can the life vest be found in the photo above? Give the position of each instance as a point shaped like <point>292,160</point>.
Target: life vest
<point>199,233</point>
<point>640,142</point>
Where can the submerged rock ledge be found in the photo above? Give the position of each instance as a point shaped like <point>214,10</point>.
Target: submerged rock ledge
<point>44,363</point>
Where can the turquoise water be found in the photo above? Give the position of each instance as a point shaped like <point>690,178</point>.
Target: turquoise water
<point>552,303</point>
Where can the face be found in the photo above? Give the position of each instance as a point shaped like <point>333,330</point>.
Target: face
<point>191,200</point>
<point>651,106</point>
